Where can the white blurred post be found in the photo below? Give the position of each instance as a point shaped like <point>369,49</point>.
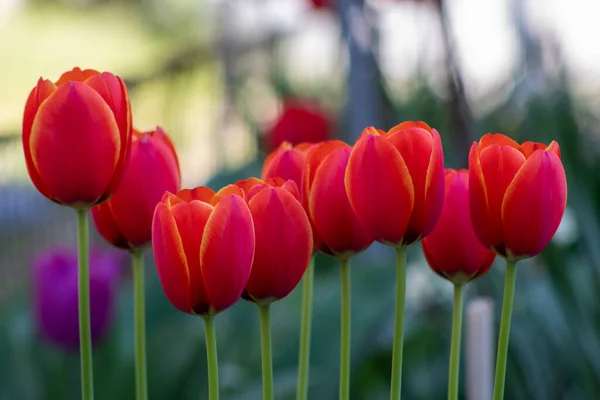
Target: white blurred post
<point>480,345</point>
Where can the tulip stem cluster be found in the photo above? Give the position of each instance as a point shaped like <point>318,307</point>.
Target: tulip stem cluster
<point>503,336</point>
<point>457,316</point>
<point>396,388</point>
<point>210,336</point>
<point>267,358</point>
<point>345,331</point>
<point>140,328</point>
<point>85,331</point>
<point>304,356</point>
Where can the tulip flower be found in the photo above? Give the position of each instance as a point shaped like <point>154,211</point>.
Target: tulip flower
<point>452,248</point>
<point>203,246</point>
<point>299,122</point>
<point>454,252</point>
<point>76,139</point>
<point>282,252</point>
<point>518,194</point>
<point>76,136</point>
<point>287,162</point>
<point>125,220</point>
<point>55,296</point>
<point>336,228</point>
<point>395,183</point>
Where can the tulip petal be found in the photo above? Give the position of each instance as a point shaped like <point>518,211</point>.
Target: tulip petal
<point>227,252</point>
<point>416,148</point>
<point>283,244</point>
<point>286,164</point>
<point>201,193</point>
<point>191,219</point>
<point>170,258</point>
<point>499,139</point>
<point>380,188</point>
<point>498,164</point>
<point>227,191</point>
<point>434,186</point>
<point>75,144</point>
<point>106,225</point>
<point>333,217</point>
<point>41,92</point>
<point>114,92</point>
<point>534,205</point>
<point>554,147</point>
<point>76,75</point>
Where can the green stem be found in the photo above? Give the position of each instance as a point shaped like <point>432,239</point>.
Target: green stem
<point>507,306</point>
<point>396,389</point>
<point>457,314</point>
<point>304,357</point>
<point>267,358</point>
<point>85,331</point>
<point>211,358</point>
<point>345,331</point>
<point>141,387</point>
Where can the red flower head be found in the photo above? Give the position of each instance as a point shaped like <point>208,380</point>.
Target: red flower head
<point>337,230</point>
<point>452,248</point>
<point>395,182</point>
<point>76,136</point>
<point>203,247</point>
<point>125,220</point>
<point>283,238</point>
<point>518,194</point>
<point>298,123</point>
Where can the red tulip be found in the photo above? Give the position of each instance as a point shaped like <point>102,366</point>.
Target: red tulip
<point>286,162</point>
<point>337,230</point>
<point>395,182</point>
<point>203,248</point>
<point>452,248</point>
<point>125,220</point>
<point>518,194</point>
<point>283,238</point>
<point>299,122</point>
<point>76,136</point>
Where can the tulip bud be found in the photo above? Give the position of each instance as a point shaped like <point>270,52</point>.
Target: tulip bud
<point>203,248</point>
<point>125,220</point>
<point>337,230</point>
<point>452,248</point>
<point>518,194</point>
<point>283,238</point>
<point>395,182</point>
<point>55,289</point>
<point>76,136</point>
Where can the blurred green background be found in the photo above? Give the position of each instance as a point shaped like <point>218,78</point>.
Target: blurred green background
<point>214,74</point>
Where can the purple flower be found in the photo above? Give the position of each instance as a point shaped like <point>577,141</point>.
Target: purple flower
<point>55,290</point>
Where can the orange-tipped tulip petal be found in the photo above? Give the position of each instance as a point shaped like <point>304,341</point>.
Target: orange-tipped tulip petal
<point>203,253</point>
<point>452,248</point>
<point>330,211</point>
<point>534,204</point>
<point>125,220</point>
<point>517,194</point>
<point>373,163</point>
<point>283,244</point>
<point>76,137</point>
